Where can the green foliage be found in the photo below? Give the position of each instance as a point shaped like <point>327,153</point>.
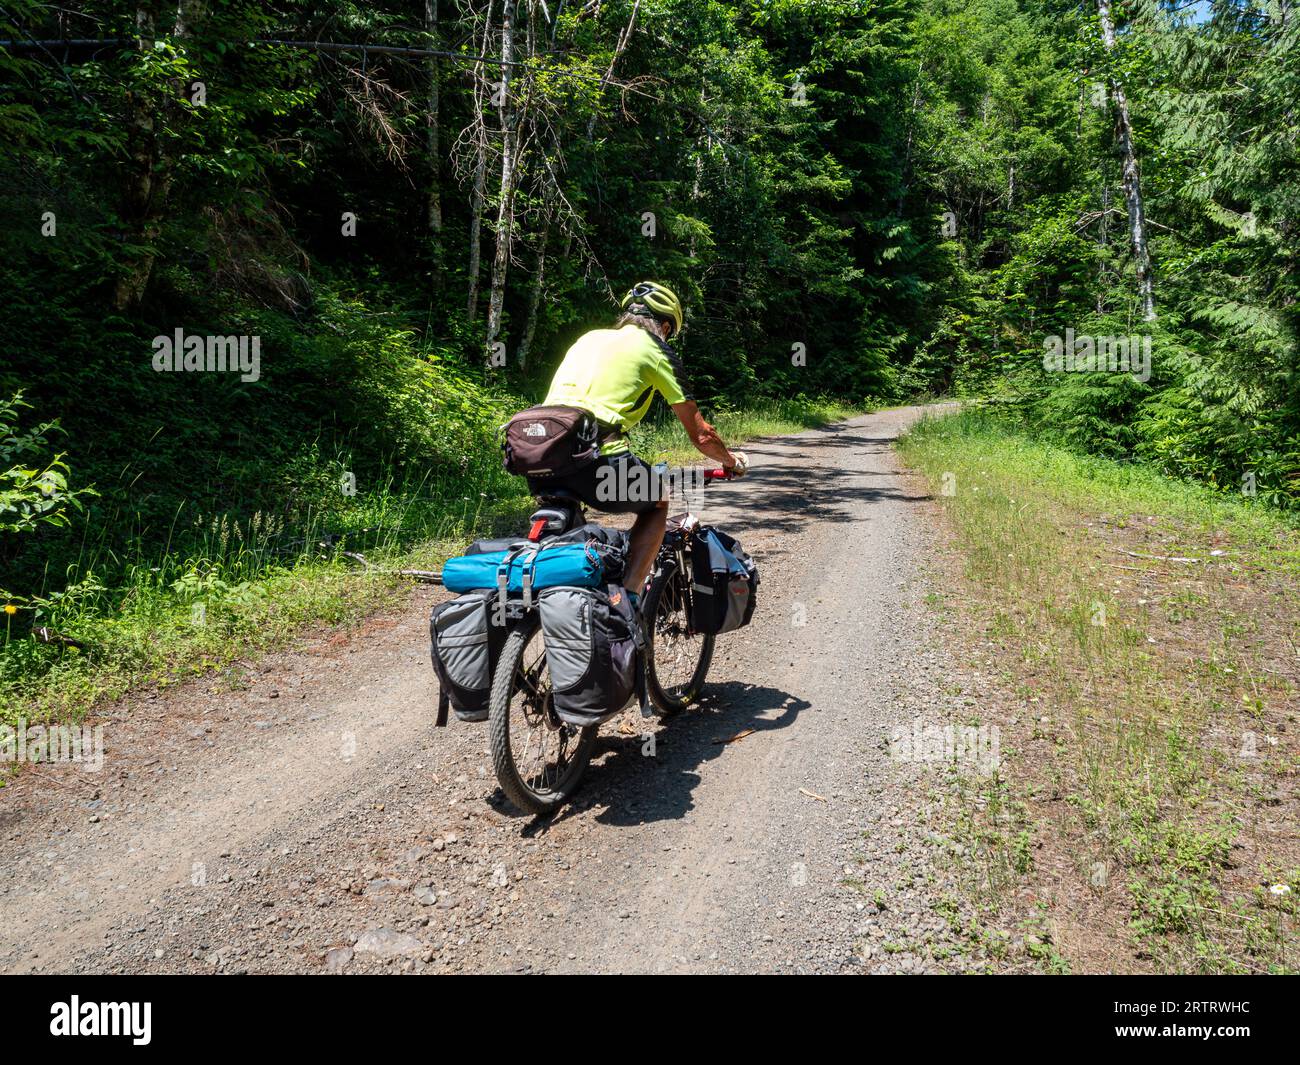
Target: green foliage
<point>34,488</point>
<point>1016,121</point>
<point>859,199</point>
<point>187,177</point>
<point>31,495</point>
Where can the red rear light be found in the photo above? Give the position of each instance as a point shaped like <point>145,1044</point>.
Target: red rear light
<point>535,533</point>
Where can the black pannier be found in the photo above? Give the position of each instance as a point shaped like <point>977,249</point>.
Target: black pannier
<point>591,640</point>
<point>465,647</point>
<point>724,582</point>
<point>610,544</point>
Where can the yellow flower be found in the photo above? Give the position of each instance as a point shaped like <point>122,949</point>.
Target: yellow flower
<point>10,608</point>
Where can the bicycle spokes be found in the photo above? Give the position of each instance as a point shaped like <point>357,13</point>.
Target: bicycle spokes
<point>542,744</point>
<point>676,647</point>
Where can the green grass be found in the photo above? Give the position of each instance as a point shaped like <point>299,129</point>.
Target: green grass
<point>237,595</point>
<point>243,588</point>
<point>1148,673</point>
<point>975,441</point>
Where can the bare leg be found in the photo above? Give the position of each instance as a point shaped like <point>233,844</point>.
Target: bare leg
<point>647,536</point>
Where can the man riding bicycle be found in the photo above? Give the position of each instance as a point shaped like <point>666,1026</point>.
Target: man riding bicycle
<point>613,374</point>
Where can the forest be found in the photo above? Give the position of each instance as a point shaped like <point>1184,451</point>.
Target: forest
<point>381,224</point>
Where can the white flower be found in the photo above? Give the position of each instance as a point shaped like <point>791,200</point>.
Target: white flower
<point>1280,889</point>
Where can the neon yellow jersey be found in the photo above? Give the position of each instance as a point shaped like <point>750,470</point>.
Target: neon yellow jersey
<point>614,374</point>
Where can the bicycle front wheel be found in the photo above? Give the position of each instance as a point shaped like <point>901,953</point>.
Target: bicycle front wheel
<point>677,658</point>
<point>538,758</point>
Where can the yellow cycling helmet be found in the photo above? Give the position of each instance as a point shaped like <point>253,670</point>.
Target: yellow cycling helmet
<point>659,300</point>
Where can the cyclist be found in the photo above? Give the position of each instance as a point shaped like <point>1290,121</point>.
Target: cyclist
<point>613,374</point>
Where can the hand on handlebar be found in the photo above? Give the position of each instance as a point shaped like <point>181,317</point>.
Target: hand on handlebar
<point>742,464</point>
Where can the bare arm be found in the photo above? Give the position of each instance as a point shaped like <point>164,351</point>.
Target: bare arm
<point>702,434</point>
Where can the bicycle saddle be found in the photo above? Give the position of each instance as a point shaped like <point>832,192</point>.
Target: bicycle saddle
<point>560,511</point>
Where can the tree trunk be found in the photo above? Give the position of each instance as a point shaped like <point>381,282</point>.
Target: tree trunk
<point>1132,182</point>
<point>480,174</point>
<point>911,128</point>
<point>619,46</point>
<point>434,132</point>
<point>535,291</point>
<point>144,201</point>
<point>555,24</point>
<point>188,12</point>
<point>509,164</point>
<point>475,229</point>
<point>1105,243</point>
<point>145,186</point>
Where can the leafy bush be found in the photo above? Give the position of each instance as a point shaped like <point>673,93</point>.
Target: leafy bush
<point>31,495</point>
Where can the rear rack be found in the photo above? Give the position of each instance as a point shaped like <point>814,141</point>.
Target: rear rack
<point>425,576</point>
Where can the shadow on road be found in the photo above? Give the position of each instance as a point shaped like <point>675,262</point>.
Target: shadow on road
<point>845,436</point>
<point>792,497</point>
<point>636,787</point>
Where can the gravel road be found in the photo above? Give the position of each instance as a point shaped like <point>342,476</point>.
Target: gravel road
<point>303,815</point>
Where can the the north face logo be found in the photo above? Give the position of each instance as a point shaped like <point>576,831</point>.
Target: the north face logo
<point>535,429</point>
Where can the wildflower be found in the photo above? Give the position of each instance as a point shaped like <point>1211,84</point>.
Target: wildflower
<point>1280,889</point>
<point>10,608</point>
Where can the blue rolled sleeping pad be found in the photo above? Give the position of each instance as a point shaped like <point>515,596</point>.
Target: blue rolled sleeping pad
<point>574,565</point>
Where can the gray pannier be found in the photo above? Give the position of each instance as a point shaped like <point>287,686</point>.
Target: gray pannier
<point>591,640</point>
<point>465,648</point>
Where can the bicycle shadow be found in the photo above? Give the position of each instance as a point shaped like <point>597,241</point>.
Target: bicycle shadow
<point>651,776</point>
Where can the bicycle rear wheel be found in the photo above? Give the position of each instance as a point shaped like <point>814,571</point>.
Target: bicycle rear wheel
<point>677,658</point>
<point>539,759</point>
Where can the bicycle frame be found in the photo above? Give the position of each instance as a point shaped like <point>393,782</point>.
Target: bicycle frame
<point>672,557</point>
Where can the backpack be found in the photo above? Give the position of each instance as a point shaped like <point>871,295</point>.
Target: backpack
<point>592,641</point>
<point>551,441</point>
<point>465,642</point>
<point>724,582</point>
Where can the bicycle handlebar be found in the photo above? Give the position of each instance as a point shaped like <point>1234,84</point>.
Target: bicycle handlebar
<point>719,474</point>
